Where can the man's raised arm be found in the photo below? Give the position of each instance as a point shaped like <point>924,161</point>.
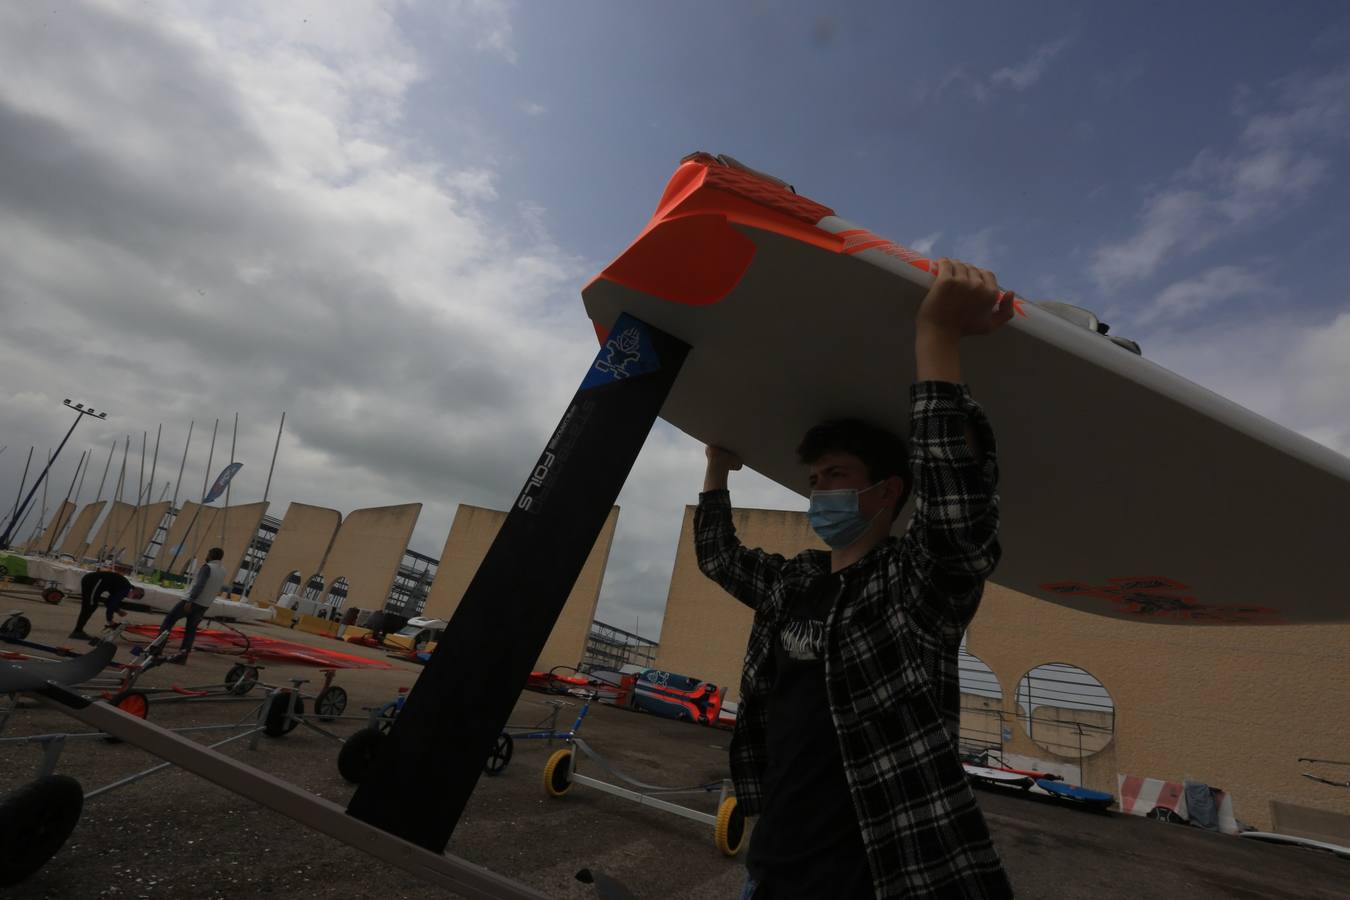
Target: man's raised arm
<point>952,542</point>
<point>748,575</point>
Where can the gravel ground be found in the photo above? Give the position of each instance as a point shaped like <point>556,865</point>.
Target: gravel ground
<point>174,835</point>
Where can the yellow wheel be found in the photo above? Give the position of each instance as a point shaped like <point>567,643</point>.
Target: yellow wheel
<point>557,773</point>
<point>730,829</point>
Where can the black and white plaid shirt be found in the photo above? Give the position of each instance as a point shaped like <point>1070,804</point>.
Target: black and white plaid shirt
<point>890,656</point>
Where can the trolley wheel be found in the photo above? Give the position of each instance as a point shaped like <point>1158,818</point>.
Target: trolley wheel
<point>386,716</point>
<point>53,595</point>
<point>1163,814</point>
<point>557,774</point>
<point>132,702</point>
<point>330,703</point>
<point>137,703</point>
<point>241,679</point>
<point>278,722</point>
<point>358,754</point>
<point>500,755</point>
<point>35,821</point>
<point>4,571</point>
<point>729,831</point>
<point>16,627</point>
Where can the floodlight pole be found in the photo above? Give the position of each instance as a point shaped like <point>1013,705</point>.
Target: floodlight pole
<point>80,412</point>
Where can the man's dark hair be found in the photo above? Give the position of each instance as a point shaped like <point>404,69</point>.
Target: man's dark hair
<point>214,553</point>
<point>885,454</point>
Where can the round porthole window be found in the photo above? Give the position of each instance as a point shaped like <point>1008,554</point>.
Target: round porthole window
<point>1065,710</point>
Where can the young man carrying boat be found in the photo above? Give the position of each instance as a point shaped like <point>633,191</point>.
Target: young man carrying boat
<point>846,738</point>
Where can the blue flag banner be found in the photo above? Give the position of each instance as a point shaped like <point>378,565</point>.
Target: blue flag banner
<point>223,481</point>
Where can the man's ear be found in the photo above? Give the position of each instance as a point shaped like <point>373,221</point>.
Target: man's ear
<point>895,488</point>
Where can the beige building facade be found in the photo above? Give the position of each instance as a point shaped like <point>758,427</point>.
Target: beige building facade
<point>366,552</point>
<point>1231,706</point>
<point>114,525</point>
<point>472,533</point>
<point>190,529</point>
<point>231,532</point>
<point>300,546</point>
<point>126,528</point>
<point>46,539</point>
<point>316,543</point>
<point>76,540</point>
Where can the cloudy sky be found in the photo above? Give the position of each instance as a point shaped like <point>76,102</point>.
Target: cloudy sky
<point>378,216</point>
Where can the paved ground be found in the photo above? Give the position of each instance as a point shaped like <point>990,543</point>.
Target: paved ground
<point>175,835</point>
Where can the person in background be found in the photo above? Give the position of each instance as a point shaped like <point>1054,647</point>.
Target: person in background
<point>205,586</point>
<point>110,587</point>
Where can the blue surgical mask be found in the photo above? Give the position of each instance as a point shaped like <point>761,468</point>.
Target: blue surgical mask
<point>835,517</point>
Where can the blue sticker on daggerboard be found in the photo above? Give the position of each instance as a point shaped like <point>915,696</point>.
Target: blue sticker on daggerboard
<point>627,352</point>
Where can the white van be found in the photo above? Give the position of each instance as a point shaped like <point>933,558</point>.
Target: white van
<point>418,634</point>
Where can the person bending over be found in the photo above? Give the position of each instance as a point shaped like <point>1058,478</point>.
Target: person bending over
<point>110,587</point>
<point>845,744</point>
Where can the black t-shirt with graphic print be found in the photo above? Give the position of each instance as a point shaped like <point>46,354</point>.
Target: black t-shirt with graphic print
<point>806,842</point>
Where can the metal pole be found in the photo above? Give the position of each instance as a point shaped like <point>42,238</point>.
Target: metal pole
<point>121,480</point>
<point>18,529</point>
<point>166,519</point>
<point>116,497</point>
<point>225,513</point>
<point>22,482</point>
<point>210,457</point>
<point>141,538</point>
<point>37,528</point>
<point>42,515</point>
<point>173,504</point>
<point>42,478</point>
<point>106,465</point>
<point>138,514</point>
<point>275,447</point>
<point>89,455</point>
<point>56,526</point>
<point>183,540</point>
<point>122,476</point>
<point>256,562</point>
<point>131,520</point>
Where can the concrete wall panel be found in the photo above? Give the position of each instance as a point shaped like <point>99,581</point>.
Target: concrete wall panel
<point>472,533</point>
<point>142,529</point>
<point>45,540</point>
<point>77,538</point>
<point>127,530</point>
<point>114,523</point>
<point>304,537</point>
<point>1233,706</point>
<point>232,532</point>
<point>178,531</point>
<point>367,551</point>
